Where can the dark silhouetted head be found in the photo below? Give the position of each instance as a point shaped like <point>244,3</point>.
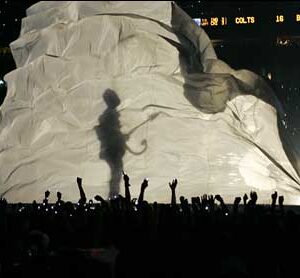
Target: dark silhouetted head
<point>111,99</point>
<point>47,194</point>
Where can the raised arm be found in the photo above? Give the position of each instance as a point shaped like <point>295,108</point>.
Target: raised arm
<point>222,203</point>
<point>274,199</point>
<point>280,201</point>
<point>126,184</point>
<point>82,199</point>
<point>143,187</point>
<point>173,190</point>
<point>236,203</point>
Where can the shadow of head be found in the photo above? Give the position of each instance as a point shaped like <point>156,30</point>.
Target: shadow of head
<point>111,99</point>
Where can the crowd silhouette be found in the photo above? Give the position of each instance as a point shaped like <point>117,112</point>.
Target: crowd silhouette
<point>129,237</point>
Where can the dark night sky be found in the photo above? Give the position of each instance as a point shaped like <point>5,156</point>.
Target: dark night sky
<point>266,47</point>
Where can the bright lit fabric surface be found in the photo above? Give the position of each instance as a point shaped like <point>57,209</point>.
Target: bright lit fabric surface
<point>108,86</point>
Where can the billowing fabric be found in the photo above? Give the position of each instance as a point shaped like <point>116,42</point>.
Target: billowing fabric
<point>106,86</point>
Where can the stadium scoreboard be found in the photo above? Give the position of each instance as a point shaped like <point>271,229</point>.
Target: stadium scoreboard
<point>217,21</point>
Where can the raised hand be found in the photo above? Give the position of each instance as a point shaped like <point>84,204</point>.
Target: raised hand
<point>274,197</point>
<point>143,187</point>
<point>204,198</point>
<point>144,184</point>
<point>126,179</point>
<point>237,200</point>
<point>245,198</point>
<point>211,201</point>
<point>219,198</point>
<point>253,196</point>
<point>127,184</point>
<point>47,194</point>
<point>280,200</point>
<point>79,181</point>
<point>204,201</point>
<point>82,199</point>
<point>58,196</point>
<point>99,198</point>
<point>173,184</point>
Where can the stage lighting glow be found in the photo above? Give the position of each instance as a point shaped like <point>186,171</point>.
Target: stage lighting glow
<point>198,21</point>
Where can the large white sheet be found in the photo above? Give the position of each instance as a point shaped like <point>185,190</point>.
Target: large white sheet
<point>103,87</point>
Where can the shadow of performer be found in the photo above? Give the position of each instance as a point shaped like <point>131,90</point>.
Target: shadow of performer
<point>113,141</point>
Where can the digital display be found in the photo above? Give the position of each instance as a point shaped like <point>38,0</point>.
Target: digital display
<point>244,20</point>
<point>214,21</point>
<point>223,20</point>
<point>217,21</point>
<point>279,18</point>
